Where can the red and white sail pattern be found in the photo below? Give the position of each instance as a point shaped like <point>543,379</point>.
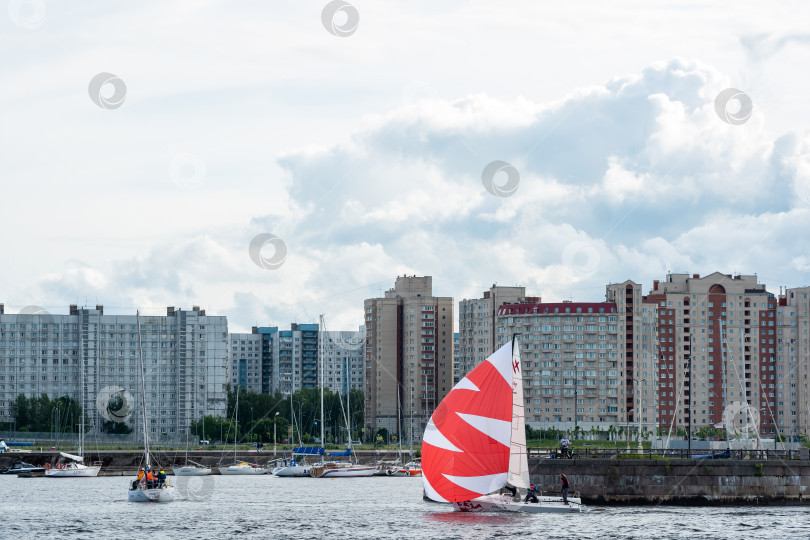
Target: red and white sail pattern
<point>465,449</point>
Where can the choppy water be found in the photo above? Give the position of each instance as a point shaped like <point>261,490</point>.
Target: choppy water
<point>302,508</point>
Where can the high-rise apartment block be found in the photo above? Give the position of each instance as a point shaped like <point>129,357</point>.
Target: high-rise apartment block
<point>572,370</point>
<point>184,355</point>
<point>717,351</point>
<point>408,356</point>
<point>788,390</point>
<point>477,321</point>
<point>343,359</point>
<point>270,360</point>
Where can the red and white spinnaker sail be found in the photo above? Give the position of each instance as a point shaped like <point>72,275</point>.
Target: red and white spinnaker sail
<point>467,442</point>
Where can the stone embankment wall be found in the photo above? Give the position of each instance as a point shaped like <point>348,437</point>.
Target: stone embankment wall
<point>681,481</point>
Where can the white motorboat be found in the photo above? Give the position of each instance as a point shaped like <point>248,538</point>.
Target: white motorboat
<point>72,467</point>
<point>142,488</point>
<point>475,442</point>
<point>21,467</point>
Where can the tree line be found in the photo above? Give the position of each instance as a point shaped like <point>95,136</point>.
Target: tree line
<point>297,418</point>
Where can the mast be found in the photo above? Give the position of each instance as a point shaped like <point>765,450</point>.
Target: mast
<point>320,375</point>
<point>236,422</point>
<point>143,391</point>
<point>84,390</point>
<point>725,378</point>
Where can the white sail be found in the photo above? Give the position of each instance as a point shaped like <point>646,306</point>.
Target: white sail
<point>518,459</point>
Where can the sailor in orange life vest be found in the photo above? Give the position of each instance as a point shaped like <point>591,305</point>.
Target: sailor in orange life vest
<point>564,481</point>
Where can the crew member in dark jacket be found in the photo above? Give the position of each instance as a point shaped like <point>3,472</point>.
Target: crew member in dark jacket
<point>564,481</point>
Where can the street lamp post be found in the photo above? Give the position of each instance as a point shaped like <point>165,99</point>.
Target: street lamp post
<point>689,418</point>
<point>274,434</point>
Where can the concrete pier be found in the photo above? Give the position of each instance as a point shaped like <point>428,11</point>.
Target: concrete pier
<point>678,481</point>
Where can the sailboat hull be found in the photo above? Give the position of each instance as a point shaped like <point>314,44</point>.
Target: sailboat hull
<point>505,503</point>
<point>341,472</point>
<point>75,471</point>
<point>159,495</point>
<point>191,471</point>
<point>296,471</point>
<point>242,470</point>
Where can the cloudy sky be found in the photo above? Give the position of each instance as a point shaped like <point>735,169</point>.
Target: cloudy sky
<point>145,145</point>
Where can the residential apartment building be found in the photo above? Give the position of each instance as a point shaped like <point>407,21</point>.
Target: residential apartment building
<point>343,359</point>
<point>408,356</point>
<point>456,359</point>
<point>787,382</point>
<point>477,320</point>
<point>184,355</point>
<point>245,365</point>
<point>717,352</point>
<point>573,374</point>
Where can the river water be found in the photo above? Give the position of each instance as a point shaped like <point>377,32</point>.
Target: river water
<point>303,508</point>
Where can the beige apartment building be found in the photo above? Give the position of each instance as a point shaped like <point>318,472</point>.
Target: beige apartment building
<point>408,356</point>
<point>716,340</point>
<point>476,319</point>
<point>570,359</point>
<point>790,383</point>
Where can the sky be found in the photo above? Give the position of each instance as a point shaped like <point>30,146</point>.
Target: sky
<point>273,161</point>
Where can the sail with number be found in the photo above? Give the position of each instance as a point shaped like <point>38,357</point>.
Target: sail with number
<point>467,442</point>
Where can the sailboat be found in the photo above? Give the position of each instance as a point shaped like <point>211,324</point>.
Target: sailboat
<point>240,467</point>
<point>339,469</point>
<point>142,490</point>
<point>475,442</point>
<point>191,468</point>
<point>70,465</point>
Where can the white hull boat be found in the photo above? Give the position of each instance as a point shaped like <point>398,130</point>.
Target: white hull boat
<point>160,495</point>
<point>506,503</point>
<point>190,470</point>
<point>242,469</point>
<point>73,470</point>
<point>336,471</point>
<point>292,471</point>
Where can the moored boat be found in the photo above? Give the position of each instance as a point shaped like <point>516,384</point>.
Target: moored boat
<point>191,470</point>
<point>72,467</point>
<point>21,467</point>
<point>242,468</point>
<point>340,470</point>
